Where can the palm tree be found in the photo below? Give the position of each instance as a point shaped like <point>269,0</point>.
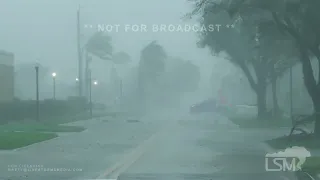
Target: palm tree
<point>152,63</point>
<point>99,45</point>
<point>152,60</point>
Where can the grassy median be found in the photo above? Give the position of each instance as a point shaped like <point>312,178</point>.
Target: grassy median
<point>19,134</point>
<point>16,135</point>
<point>307,141</point>
<point>312,164</point>
<point>39,127</point>
<point>13,140</point>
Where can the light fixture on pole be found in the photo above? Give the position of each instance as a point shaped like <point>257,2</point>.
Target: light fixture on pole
<point>77,83</point>
<point>90,93</point>
<point>90,90</point>
<point>54,85</point>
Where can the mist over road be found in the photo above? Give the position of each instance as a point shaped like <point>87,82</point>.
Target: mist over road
<point>169,145</point>
<point>205,146</point>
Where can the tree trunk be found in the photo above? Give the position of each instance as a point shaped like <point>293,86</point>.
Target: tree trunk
<point>261,101</point>
<point>261,87</point>
<point>312,87</point>
<point>317,120</point>
<point>274,96</point>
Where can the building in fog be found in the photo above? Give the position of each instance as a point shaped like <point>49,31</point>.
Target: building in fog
<point>6,76</point>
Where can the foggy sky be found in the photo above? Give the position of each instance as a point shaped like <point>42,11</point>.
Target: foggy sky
<point>46,30</point>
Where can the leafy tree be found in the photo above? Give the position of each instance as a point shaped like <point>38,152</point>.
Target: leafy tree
<point>151,65</point>
<point>238,44</point>
<point>279,51</point>
<point>299,19</point>
<point>247,48</point>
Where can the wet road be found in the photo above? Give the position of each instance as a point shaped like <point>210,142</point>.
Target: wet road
<point>80,155</point>
<point>162,147</point>
<point>202,148</point>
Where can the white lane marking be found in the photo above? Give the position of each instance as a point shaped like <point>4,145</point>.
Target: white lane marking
<point>132,157</point>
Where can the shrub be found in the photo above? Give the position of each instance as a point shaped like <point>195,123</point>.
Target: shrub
<point>26,109</point>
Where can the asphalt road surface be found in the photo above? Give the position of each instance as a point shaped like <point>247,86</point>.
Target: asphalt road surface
<point>161,148</point>
<point>200,147</point>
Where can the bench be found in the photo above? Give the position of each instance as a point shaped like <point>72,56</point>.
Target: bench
<point>300,122</point>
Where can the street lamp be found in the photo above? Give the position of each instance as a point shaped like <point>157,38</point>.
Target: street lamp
<point>77,83</point>
<point>90,91</point>
<point>54,84</point>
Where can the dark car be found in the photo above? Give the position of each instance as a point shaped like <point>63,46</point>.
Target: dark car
<point>209,105</point>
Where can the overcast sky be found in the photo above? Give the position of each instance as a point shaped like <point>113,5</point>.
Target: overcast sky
<point>46,30</point>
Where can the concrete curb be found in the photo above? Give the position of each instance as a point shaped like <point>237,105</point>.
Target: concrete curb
<point>79,121</point>
<point>34,144</point>
<point>59,136</point>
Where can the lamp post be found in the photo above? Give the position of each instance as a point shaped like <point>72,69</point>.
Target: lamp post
<point>54,85</point>
<point>95,83</point>
<point>90,87</point>
<point>37,92</point>
<point>77,83</point>
<point>291,95</point>
<point>121,86</point>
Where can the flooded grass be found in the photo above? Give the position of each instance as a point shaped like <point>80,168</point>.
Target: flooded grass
<point>247,122</point>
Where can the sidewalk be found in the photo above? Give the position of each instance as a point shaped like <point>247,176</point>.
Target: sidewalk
<point>243,152</point>
<point>85,154</point>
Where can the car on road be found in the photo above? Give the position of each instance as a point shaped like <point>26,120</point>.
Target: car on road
<point>209,105</point>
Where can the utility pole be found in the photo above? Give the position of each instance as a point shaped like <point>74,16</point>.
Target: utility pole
<point>121,92</point>
<point>88,60</point>
<point>79,53</point>
<point>37,93</point>
<point>90,91</point>
<point>54,88</point>
<point>291,95</point>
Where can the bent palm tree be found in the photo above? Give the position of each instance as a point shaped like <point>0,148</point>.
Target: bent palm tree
<point>99,45</point>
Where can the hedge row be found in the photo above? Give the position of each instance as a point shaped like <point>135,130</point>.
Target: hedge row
<point>26,109</point>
